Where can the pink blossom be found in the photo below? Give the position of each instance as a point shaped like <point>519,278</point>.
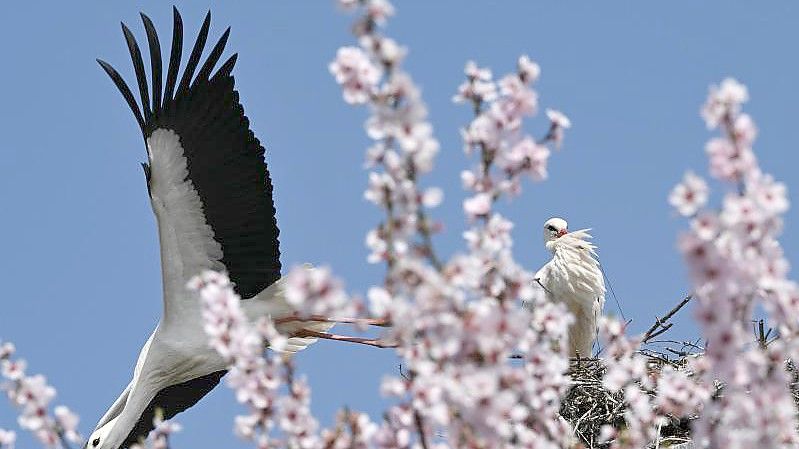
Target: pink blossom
<point>457,322</point>
<point>32,395</point>
<point>678,393</point>
<point>379,10</point>
<point>13,370</point>
<point>7,439</point>
<point>7,349</point>
<point>706,225</point>
<point>517,100</point>
<point>724,100</point>
<point>526,157</point>
<point>432,197</point>
<point>690,195</point>
<point>386,50</point>
<point>355,73</point>
<point>478,205</point>
<point>558,119</point>
<point>68,423</point>
<point>769,195</point>
<point>730,161</point>
<point>529,71</point>
<point>745,130</point>
<point>315,291</point>
<point>479,86</point>
<point>737,264</point>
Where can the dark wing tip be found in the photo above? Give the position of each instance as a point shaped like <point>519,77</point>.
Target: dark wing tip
<point>205,72</point>
<point>138,67</point>
<point>226,69</point>
<point>124,90</point>
<point>155,60</point>
<point>126,30</point>
<point>194,57</point>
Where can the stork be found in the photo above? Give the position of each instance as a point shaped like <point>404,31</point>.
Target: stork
<point>211,194</point>
<point>574,277</point>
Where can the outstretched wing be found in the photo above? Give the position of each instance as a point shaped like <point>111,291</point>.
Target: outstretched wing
<point>206,175</point>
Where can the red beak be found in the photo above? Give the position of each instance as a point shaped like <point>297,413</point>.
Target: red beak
<point>562,232</point>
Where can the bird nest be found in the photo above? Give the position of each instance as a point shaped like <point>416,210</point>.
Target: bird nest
<point>588,406</point>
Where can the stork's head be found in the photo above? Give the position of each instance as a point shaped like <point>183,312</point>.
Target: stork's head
<point>100,437</point>
<point>554,228</point>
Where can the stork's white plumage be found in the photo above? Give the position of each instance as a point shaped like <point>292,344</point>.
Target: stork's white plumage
<point>573,277</point>
<point>212,196</point>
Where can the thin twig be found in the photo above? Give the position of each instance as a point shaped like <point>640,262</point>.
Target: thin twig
<point>420,428</point>
<point>660,325</point>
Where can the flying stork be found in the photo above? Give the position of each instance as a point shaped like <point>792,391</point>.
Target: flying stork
<point>573,277</point>
<point>211,194</point>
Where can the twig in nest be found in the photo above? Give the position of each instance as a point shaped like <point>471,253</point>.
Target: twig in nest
<point>661,324</point>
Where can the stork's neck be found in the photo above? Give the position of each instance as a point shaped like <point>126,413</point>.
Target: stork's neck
<point>140,396</point>
<point>142,391</point>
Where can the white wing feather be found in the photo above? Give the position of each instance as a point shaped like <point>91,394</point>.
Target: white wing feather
<point>187,241</point>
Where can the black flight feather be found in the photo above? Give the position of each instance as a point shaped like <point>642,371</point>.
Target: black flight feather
<point>213,57</point>
<point>194,58</point>
<point>155,61</point>
<point>174,57</point>
<point>138,66</point>
<point>226,68</point>
<point>123,87</point>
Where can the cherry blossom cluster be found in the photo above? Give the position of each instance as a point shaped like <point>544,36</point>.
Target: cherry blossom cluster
<point>737,265</point>
<point>497,133</point>
<point>652,394</point>
<point>32,396</point>
<point>255,379</point>
<point>258,377</point>
<point>404,146</point>
<point>458,324</point>
<point>357,431</point>
<point>315,292</point>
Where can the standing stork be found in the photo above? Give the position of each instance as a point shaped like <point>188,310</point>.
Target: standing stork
<point>573,277</point>
<point>212,197</point>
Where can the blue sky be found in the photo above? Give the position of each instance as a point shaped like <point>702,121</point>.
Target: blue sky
<point>81,269</point>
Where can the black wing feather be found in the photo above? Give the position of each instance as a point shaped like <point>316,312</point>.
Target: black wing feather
<point>213,57</point>
<point>194,58</point>
<point>141,77</point>
<point>225,160</point>
<point>172,400</point>
<point>155,61</point>
<point>123,87</point>
<point>226,68</point>
<point>174,58</point>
